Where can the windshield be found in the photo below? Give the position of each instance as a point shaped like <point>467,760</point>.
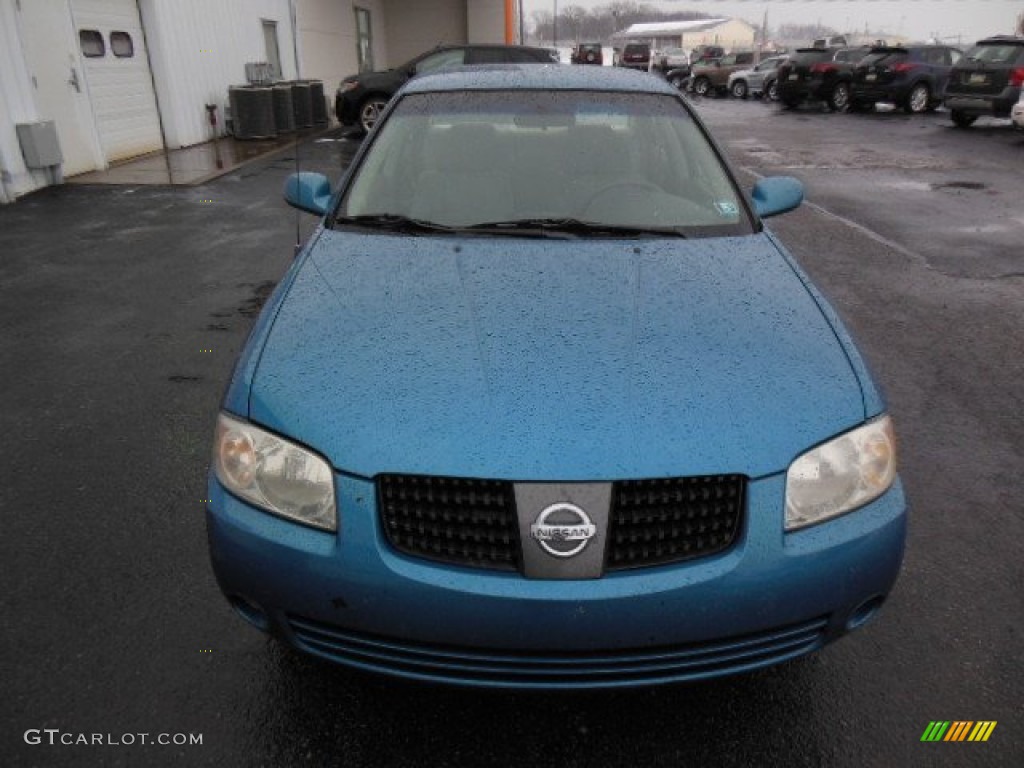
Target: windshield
<point>472,158</point>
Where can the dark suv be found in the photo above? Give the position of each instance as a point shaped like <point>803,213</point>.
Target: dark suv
<point>636,56</point>
<point>987,80</point>
<point>361,97</point>
<point>819,74</point>
<point>587,53</point>
<point>913,77</point>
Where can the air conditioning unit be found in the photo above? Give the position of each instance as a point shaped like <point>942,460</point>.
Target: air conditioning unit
<point>284,108</point>
<point>252,111</point>
<point>316,89</point>
<point>302,103</point>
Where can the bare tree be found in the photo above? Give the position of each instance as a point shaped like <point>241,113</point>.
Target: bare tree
<point>543,24</point>
<point>1020,23</point>
<point>574,16</point>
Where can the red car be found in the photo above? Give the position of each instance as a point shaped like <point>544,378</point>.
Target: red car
<point>587,53</point>
<point>636,56</point>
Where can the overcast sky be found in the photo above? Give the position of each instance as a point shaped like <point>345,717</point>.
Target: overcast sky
<point>918,19</point>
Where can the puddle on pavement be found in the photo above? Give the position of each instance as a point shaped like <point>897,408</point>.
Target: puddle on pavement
<point>260,293</point>
<point>959,185</point>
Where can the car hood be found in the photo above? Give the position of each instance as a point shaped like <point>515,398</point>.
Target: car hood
<point>552,359</point>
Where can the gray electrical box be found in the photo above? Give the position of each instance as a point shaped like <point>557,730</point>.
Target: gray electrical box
<point>39,144</point>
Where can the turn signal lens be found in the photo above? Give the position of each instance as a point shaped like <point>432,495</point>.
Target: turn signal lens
<point>274,474</point>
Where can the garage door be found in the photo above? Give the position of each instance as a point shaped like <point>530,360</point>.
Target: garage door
<point>118,77</point>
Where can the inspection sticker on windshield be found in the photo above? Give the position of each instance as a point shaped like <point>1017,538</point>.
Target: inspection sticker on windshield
<point>726,208</point>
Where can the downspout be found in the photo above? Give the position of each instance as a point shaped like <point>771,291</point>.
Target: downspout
<point>510,22</point>
<point>152,81</point>
<point>5,196</point>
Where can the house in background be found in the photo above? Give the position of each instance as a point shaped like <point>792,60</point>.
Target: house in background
<point>121,78</point>
<point>728,33</point>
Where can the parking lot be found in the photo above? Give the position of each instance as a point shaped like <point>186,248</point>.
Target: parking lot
<point>124,308</point>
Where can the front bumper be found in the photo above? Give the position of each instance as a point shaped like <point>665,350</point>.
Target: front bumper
<point>351,599</point>
<point>346,106</point>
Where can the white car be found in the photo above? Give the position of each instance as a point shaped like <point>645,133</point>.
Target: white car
<point>672,58</point>
<point>752,81</point>
<point>1017,113</point>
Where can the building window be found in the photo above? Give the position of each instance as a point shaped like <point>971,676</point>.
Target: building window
<point>273,51</point>
<point>121,45</point>
<point>364,40</point>
<point>92,44</point>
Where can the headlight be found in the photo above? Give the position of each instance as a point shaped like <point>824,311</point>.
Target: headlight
<point>274,474</point>
<point>841,475</point>
<point>350,85</point>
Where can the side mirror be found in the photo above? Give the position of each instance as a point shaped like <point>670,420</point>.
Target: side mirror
<point>308,191</point>
<point>777,194</point>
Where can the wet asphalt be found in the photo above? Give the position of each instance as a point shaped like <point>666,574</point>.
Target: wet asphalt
<point>122,310</point>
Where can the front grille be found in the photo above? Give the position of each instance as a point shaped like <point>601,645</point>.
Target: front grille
<point>664,521</point>
<point>454,520</point>
<point>474,522</point>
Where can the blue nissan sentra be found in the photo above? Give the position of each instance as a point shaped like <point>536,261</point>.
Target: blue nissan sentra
<point>542,404</point>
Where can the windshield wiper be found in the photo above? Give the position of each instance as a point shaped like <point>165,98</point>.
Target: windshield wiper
<point>393,223</point>
<point>548,228</point>
<point>573,228</point>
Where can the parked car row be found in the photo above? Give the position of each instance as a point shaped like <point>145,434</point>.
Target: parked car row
<point>987,79</point>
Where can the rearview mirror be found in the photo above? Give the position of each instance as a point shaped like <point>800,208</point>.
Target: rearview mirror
<point>777,194</point>
<point>308,191</point>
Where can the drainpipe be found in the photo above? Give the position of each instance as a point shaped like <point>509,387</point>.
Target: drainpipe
<point>5,196</point>
<point>152,79</point>
<point>510,18</point>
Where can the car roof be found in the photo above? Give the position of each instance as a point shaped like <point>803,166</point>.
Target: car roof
<point>1002,40</point>
<point>532,77</point>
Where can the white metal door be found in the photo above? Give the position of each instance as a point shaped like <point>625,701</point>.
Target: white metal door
<point>117,70</point>
<point>50,45</point>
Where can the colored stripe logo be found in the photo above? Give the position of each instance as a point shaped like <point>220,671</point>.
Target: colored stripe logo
<point>958,730</point>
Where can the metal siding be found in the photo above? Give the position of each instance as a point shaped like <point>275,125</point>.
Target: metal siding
<point>327,39</point>
<point>200,48</point>
<point>120,89</point>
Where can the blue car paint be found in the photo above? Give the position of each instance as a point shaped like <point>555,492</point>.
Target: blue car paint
<point>542,360</point>
<point>308,191</point>
<point>317,330</point>
<point>354,580</point>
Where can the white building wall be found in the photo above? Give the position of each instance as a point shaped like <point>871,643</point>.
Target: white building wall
<point>732,34</point>
<point>200,47</point>
<point>17,105</point>
<point>414,26</point>
<point>485,21</point>
<point>327,39</point>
